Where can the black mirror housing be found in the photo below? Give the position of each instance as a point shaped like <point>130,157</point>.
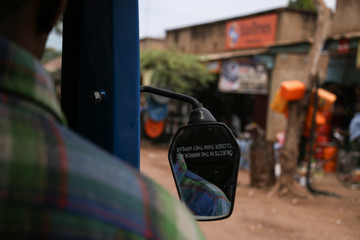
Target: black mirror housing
<point>204,159</point>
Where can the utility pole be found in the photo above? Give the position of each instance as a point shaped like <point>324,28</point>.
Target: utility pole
<point>297,110</point>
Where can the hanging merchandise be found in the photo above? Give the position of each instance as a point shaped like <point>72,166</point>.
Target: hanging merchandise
<point>157,109</point>
<point>325,101</point>
<point>319,120</point>
<point>154,129</point>
<point>329,155</point>
<point>324,150</point>
<point>279,104</point>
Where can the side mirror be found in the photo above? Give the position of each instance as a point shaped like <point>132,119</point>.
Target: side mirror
<point>204,159</point>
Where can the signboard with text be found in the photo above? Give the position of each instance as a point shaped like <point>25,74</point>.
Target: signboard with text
<point>243,77</point>
<point>251,32</point>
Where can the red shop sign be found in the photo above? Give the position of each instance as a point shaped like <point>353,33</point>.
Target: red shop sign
<point>251,32</point>
<point>343,45</point>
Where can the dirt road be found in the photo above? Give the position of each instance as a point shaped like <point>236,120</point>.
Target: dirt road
<point>257,216</point>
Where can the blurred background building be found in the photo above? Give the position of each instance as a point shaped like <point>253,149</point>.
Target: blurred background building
<point>264,49</point>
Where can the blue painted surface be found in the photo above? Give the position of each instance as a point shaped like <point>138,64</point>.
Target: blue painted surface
<point>126,81</point>
<point>95,121</point>
<point>102,52</point>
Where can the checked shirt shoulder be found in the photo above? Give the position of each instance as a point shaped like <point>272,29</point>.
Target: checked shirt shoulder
<point>56,185</point>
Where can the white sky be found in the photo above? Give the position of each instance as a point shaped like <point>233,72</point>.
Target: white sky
<point>157,16</point>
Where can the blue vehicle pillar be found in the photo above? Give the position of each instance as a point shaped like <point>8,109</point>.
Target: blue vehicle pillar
<point>100,74</point>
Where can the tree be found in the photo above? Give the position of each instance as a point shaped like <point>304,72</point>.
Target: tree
<point>174,70</point>
<point>297,110</point>
<point>49,54</point>
<point>304,4</point>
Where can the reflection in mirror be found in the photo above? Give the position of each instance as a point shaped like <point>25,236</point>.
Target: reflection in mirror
<point>204,159</point>
<point>201,196</point>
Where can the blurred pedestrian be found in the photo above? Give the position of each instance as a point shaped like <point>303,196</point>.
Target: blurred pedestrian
<point>354,129</point>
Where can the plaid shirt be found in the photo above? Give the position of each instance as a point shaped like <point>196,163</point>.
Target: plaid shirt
<point>56,185</point>
<point>202,197</point>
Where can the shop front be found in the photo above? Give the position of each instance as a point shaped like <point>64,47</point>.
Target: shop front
<point>250,55</point>
<point>244,71</point>
<point>343,79</point>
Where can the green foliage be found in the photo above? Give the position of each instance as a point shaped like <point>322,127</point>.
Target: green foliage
<point>175,71</point>
<point>303,4</point>
<point>49,54</point>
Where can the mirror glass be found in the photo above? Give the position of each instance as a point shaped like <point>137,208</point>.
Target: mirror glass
<point>205,161</point>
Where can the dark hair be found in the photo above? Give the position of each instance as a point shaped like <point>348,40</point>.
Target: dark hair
<point>10,7</point>
<point>329,83</point>
<point>357,107</point>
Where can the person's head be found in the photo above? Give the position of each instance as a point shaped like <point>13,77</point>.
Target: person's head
<point>331,86</point>
<point>29,22</point>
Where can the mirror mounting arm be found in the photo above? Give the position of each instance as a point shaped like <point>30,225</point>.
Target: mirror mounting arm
<point>199,113</point>
<point>173,95</point>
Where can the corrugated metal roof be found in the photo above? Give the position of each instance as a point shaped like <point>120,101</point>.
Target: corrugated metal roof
<point>224,55</point>
<point>276,10</point>
<point>347,35</point>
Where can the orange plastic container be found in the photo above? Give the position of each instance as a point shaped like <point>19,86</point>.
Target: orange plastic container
<point>330,153</point>
<point>329,166</point>
<point>278,104</point>
<point>292,90</point>
<point>324,129</point>
<point>326,99</point>
<point>320,119</point>
<point>326,95</point>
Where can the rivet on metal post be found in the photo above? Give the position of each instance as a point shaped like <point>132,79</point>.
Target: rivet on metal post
<point>97,96</point>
